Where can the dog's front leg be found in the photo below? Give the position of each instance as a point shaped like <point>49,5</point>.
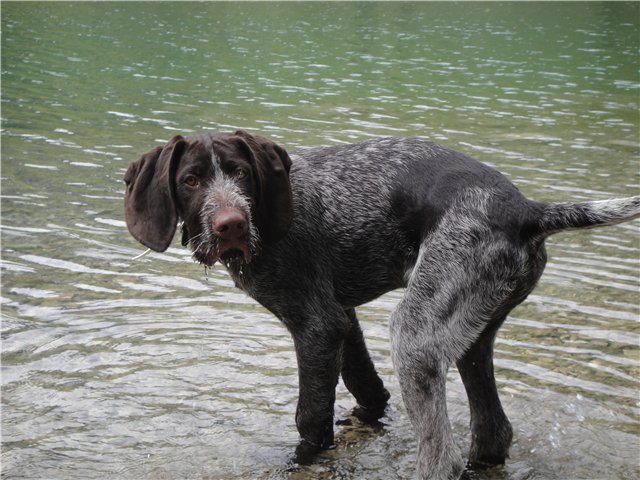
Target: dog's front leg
<point>360,377</point>
<point>319,343</point>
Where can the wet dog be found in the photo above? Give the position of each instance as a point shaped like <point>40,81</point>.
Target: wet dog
<point>314,235</point>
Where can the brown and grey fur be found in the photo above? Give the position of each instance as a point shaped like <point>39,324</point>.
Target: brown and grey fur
<point>328,229</point>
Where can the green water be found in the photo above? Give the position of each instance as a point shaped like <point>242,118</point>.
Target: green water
<point>113,368</point>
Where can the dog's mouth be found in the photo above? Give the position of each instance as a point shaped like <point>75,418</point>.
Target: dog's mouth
<point>233,251</point>
<point>230,248</point>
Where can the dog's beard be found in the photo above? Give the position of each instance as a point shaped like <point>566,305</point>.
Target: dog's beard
<point>207,247</point>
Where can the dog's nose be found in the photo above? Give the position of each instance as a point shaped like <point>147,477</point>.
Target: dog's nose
<point>230,223</point>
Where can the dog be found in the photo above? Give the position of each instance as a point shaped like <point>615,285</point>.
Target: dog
<point>313,235</point>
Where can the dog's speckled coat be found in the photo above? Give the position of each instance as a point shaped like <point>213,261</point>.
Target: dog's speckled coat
<point>331,228</point>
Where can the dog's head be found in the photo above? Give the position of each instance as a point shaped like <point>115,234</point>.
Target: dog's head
<point>231,191</point>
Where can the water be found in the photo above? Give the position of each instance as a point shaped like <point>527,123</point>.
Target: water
<point>113,368</point>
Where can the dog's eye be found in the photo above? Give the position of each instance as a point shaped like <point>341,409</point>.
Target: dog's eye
<point>191,181</point>
<point>240,174</point>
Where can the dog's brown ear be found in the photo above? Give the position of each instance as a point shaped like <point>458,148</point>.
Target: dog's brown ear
<point>274,205</point>
<point>149,200</point>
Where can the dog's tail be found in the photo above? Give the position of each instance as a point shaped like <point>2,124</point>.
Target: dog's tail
<point>555,217</point>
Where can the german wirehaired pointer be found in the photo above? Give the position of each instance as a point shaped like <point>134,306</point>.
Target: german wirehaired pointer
<point>314,235</point>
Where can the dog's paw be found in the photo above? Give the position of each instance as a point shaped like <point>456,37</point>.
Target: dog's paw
<point>306,453</point>
<point>370,415</point>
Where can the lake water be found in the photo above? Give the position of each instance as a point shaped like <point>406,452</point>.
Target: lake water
<point>114,368</point>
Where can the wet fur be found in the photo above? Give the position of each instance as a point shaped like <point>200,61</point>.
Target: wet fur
<point>364,219</point>
<point>223,192</point>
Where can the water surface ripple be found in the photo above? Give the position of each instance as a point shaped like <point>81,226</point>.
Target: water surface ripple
<point>114,368</point>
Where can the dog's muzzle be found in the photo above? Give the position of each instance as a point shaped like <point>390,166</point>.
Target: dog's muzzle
<point>231,227</point>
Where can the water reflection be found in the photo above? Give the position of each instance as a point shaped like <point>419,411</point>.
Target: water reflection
<point>127,369</point>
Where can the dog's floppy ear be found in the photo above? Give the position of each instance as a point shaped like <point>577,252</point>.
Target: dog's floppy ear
<point>274,205</point>
<point>149,200</point>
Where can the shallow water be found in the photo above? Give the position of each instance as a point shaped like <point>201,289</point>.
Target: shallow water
<point>113,368</point>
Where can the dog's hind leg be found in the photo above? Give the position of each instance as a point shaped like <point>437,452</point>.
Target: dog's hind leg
<point>463,277</point>
<point>491,432</point>
<point>421,358</point>
<point>359,375</point>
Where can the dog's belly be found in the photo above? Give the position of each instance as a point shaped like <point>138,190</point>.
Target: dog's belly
<point>366,274</point>
<point>358,292</point>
